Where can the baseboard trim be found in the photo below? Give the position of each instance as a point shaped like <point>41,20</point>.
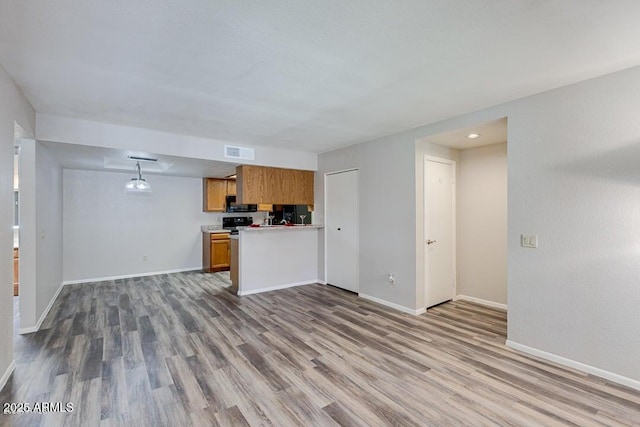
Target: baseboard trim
<point>7,374</point>
<point>395,306</point>
<point>616,378</point>
<point>480,301</point>
<point>275,288</point>
<point>36,328</point>
<point>128,276</point>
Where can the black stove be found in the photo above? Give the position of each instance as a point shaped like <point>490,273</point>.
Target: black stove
<point>233,222</point>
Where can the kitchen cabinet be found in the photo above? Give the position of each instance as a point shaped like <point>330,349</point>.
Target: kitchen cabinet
<point>16,271</point>
<point>233,274</point>
<point>231,187</point>
<point>216,252</point>
<point>266,185</point>
<point>215,192</point>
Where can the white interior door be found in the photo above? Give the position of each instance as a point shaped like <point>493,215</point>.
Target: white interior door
<point>341,230</point>
<point>439,199</point>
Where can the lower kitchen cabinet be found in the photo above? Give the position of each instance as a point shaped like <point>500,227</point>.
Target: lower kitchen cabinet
<point>216,252</point>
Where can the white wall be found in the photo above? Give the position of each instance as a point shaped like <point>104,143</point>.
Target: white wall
<point>40,232</point>
<point>482,223</point>
<point>387,211</point>
<point>49,227</point>
<point>85,132</point>
<point>13,108</point>
<point>574,181</point>
<point>276,258</point>
<point>107,233</point>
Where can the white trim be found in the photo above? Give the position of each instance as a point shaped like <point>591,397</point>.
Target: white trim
<point>398,307</point>
<point>36,328</point>
<point>7,374</point>
<point>480,301</point>
<point>129,276</point>
<point>575,365</point>
<point>341,171</point>
<point>425,229</point>
<point>275,288</point>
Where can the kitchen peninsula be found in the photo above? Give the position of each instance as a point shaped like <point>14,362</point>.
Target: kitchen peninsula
<point>274,257</point>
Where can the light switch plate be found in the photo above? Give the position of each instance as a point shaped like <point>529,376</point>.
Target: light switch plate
<point>528,240</point>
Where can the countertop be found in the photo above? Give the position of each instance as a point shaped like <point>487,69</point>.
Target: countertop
<point>213,229</point>
<point>282,227</point>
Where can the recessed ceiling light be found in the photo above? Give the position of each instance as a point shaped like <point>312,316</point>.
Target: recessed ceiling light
<point>473,135</point>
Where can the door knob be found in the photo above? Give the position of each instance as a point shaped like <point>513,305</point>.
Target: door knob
<point>430,242</point>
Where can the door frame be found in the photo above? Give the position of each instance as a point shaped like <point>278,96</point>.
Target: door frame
<point>357,216</point>
<point>426,225</point>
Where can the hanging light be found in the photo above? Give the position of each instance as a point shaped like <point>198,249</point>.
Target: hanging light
<point>139,184</point>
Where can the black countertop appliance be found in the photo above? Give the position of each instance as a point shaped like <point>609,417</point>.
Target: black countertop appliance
<point>232,223</point>
<point>232,206</point>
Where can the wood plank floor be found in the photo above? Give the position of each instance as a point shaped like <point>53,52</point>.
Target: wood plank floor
<point>180,350</point>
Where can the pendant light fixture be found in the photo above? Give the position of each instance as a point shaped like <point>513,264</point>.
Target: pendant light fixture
<point>139,184</point>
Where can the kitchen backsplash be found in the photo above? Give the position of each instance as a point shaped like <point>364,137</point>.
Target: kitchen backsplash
<point>215,218</point>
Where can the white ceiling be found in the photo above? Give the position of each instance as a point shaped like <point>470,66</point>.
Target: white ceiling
<point>73,156</point>
<point>309,75</point>
<point>493,132</point>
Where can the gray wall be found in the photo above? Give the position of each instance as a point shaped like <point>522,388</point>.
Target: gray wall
<point>107,232</point>
<point>48,228</point>
<point>386,205</point>
<point>13,108</point>
<point>40,232</point>
<point>573,181</point>
<point>482,223</point>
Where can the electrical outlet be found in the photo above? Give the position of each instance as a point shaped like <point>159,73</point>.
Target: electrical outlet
<point>144,257</point>
<point>529,241</point>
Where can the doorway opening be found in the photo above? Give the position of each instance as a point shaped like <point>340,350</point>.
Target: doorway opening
<point>16,221</point>
<point>478,219</point>
<point>18,134</point>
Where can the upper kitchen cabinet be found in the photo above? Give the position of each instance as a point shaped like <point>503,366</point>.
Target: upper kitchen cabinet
<point>214,193</point>
<point>231,187</point>
<point>259,184</point>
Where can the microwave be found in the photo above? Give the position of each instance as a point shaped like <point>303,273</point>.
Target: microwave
<point>232,206</point>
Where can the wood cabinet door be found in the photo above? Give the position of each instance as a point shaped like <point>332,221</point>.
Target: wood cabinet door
<point>251,184</point>
<point>266,185</point>
<point>302,187</point>
<point>231,187</point>
<point>214,195</point>
<point>220,253</point>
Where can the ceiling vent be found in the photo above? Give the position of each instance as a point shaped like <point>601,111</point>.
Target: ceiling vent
<point>146,159</point>
<point>242,153</point>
